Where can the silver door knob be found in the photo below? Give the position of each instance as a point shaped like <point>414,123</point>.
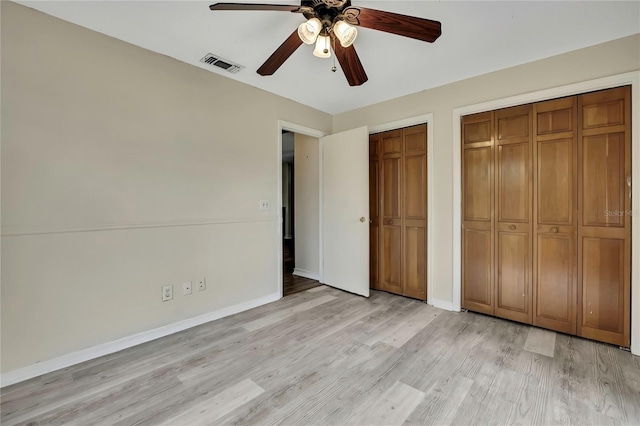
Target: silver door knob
<point>363,219</point>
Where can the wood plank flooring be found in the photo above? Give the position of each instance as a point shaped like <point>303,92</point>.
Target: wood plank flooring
<point>325,357</point>
<point>295,284</point>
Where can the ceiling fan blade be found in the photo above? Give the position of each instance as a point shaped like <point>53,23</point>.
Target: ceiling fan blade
<point>350,63</point>
<point>281,54</point>
<point>394,23</point>
<point>255,6</point>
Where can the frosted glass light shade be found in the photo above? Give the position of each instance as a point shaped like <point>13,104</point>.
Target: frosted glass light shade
<point>308,31</point>
<point>345,33</point>
<point>323,47</point>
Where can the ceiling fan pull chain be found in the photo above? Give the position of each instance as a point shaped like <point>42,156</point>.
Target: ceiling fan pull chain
<point>334,68</point>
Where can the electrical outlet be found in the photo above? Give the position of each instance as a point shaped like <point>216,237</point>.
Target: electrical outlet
<point>186,288</point>
<point>167,293</point>
<point>264,205</point>
<point>202,284</point>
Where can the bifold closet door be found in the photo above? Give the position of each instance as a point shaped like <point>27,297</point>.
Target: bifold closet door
<point>554,213</point>
<point>604,223</point>
<point>398,160</point>
<point>374,210</point>
<point>513,213</point>
<point>478,212</point>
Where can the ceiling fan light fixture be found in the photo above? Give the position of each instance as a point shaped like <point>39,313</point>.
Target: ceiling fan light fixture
<point>323,46</point>
<point>346,33</point>
<point>308,31</point>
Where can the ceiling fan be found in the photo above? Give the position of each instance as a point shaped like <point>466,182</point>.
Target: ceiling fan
<point>329,21</point>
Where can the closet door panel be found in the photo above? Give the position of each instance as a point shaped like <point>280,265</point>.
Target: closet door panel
<point>478,184</point>
<point>414,215</point>
<point>513,213</point>
<point>513,265</point>
<point>513,183</point>
<point>415,184</point>
<point>415,262</point>
<point>392,259</point>
<point>391,221</point>
<point>478,224</point>
<point>603,175</point>
<point>478,270</point>
<point>603,284</point>
<point>555,292</point>
<point>604,233</point>
<point>555,254</point>
<point>391,188</point>
<point>555,180</point>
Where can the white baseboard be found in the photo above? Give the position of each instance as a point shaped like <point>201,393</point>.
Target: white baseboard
<point>442,304</point>
<point>64,361</point>
<point>306,274</point>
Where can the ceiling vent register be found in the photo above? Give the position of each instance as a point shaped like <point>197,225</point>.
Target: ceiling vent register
<point>217,61</point>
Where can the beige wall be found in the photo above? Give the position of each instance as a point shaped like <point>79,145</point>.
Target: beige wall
<point>610,58</point>
<point>307,207</point>
<point>97,135</point>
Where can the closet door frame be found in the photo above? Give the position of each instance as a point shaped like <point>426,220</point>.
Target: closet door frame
<point>632,79</point>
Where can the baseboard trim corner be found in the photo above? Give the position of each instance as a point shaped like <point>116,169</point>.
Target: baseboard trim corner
<point>306,274</point>
<point>64,361</point>
<point>442,304</point>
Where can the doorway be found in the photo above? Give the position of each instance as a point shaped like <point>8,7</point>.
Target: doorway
<point>300,212</point>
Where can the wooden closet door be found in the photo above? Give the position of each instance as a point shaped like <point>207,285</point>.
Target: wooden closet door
<point>604,223</point>
<point>477,212</point>
<point>414,206</point>
<point>391,210</point>
<point>555,221</point>
<point>374,210</point>
<point>513,213</point>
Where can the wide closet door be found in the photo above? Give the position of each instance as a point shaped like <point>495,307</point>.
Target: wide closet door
<point>546,214</point>
<point>398,181</point>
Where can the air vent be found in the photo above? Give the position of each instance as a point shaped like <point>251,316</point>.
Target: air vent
<point>217,61</point>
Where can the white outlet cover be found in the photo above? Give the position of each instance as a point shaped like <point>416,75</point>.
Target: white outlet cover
<point>167,293</point>
<point>202,284</point>
<point>264,205</point>
<point>186,288</point>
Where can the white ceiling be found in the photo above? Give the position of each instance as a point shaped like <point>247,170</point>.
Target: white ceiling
<point>477,37</point>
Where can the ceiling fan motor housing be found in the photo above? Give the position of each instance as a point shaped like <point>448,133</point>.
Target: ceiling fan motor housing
<point>325,10</point>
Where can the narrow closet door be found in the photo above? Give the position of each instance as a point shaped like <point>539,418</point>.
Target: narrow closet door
<point>513,213</point>
<point>555,221</point>
<point>478,212</point>
<point>604,156</point>
<point>391,211</point>
<point>374,211</point>
<point>414,174</point>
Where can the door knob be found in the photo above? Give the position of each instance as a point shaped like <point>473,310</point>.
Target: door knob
<point>554,229</point>
<point>362,219</point>
<point>390,222</point>
<point>512,227</point>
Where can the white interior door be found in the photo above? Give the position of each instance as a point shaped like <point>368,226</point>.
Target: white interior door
<point>345,210</point>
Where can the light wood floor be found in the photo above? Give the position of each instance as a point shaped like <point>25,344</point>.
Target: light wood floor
<point>325,357</point>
